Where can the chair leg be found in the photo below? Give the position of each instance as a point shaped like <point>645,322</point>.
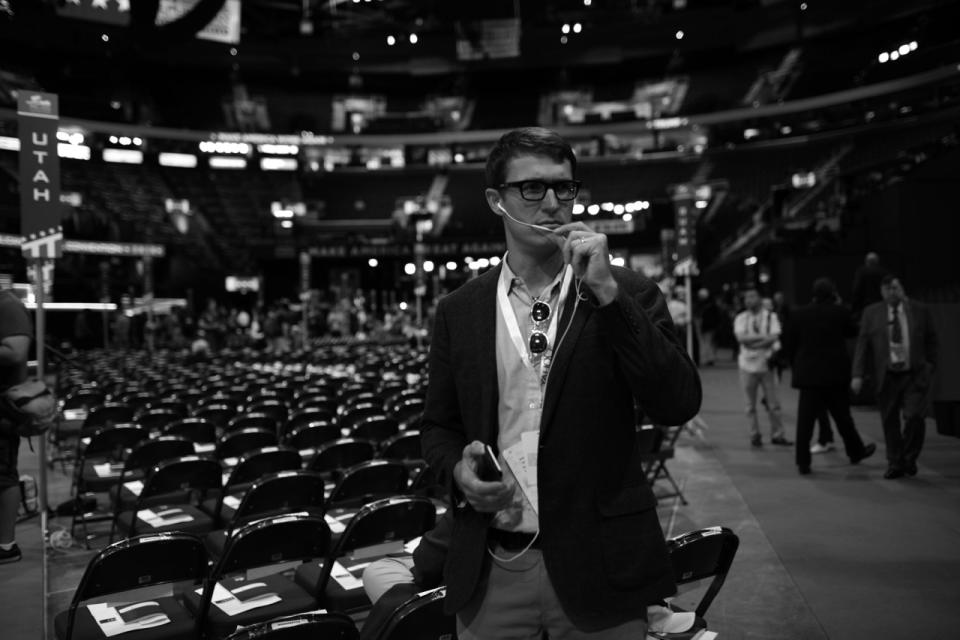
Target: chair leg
<point>663,472</point>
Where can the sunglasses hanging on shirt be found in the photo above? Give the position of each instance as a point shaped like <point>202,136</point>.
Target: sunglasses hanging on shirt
<point>540,315</point>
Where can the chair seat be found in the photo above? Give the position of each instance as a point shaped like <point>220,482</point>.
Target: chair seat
<point>95,483</point>
<point>85,627</point>
<point>293,599</point>
<point>199,522</point>
<point>344,592</point>
<point>227,510</point>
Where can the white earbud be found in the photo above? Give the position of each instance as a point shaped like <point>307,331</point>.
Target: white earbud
<point>500,206</point>
<point>521,222</point>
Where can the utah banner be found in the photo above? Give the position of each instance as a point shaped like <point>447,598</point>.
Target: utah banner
<point>40,208</point>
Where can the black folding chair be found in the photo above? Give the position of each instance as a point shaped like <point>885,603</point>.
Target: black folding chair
<point>252,421</point>
<point>198,430</point>
<point>368,481</point>
<point>657,447</point>
<point>251,467</point>
<point>109,584</point>
<point>107,415</point>
<point>376,530</point>
<point>237,443</point>
<point>335,456</point>
<point>161,505</point>
<point>154,420</point>
<point>302,418</point>
<point>301,626</point>
<point>313,435</point>
<point>279,539</point>
<point>403,446</point>
<point>219,413</point>
<point>377,427</point>
<point>421,617</point>
<point>698,555</point>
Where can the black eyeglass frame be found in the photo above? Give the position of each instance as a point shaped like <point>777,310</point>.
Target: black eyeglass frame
<point>519,184</point>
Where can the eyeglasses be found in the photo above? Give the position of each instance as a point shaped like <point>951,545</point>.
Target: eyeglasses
<point>539,314</point>
<point>536,190</point>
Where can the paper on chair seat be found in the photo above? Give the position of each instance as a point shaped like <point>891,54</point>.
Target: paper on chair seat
<point>134,486</point>
<point>103,470</point>
<point>225,478</point>
<point>164,518</point>
<point>335,525</point>
<point>231,501</point>
<point>111,624</point>
<point>230,462</point>
<point>412,545</point>
<point>74,414</point>
<point>226,601</point>
<point>344,578</point>
<point>204,447</point>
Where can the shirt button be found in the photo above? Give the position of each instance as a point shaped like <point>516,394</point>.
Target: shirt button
<point>533,405</point>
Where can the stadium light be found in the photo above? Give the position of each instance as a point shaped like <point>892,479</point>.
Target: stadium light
<point>391,40</point>
<point>565,28</point>
<point>413,38</point>
<point>578,209</point>
<point>184,160</point>
<point>124,156</point>
<point>372,263</point>
<point>451,266</point>
<point>428,266</point>
<point>409,268</point>
<point>884,57</point>
<point>679,35</point>
<point>593,209</point>
<point>627,217</point>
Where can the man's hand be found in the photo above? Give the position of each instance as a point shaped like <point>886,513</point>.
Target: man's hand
<point>856,384</point>
<point>586,250</point>
<point>485,497</point>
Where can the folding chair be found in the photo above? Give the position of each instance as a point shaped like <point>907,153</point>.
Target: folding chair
<point>408,409</point>
<point>218,413</point>
<point>313,435</point>
<point>154,420</point>
<point>340,454</point>
<point>301,626</point>
<point>231,597</point>
<point>251,467</point>
<point>167,484</point>
<point>698,555</point>
<point>108,589</point>
<point>656,444</point>
<point>403,446</point>
<point>251,421</point>
<point>377,427</point>
<point>141,460</point>
<point>201,431</point>
<point>273,407</point>
<point>421,617</point>
<point>368,481</point>
<point>301,418</point>
<point>272,494</point>
<point>379,528</point>
<point>107,415</point>
<point>236,443</point>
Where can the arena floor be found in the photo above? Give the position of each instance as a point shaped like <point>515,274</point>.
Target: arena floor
<point>840,554</point>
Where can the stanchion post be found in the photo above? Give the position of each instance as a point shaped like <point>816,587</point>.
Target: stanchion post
<point>37,265</point>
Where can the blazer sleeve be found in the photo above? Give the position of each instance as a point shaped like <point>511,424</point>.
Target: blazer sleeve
<point>929,338</point>
<point>442,434</point>
<point>863,343</point>
<point>661,375</point>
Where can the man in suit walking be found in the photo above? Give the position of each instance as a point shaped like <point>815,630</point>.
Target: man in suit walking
<point>815,342</point>
<point>544,358</point>
<point>898,332</point>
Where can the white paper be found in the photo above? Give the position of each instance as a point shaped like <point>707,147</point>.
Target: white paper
<point>157,519</point>
<point>230,462</point>
<point>204,447</point>
<point>75,414</point>
<point>103,470</point>
<point>231,501</point>
<point>522,459</point>
<point>134,486</point>
<point>344,578</point>
<point>110,623</point>
<point>412,545</point>
<point>224,599</point>
<point>335,525</point>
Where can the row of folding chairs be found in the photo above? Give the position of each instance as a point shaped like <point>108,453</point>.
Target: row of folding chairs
<point>272,566</point>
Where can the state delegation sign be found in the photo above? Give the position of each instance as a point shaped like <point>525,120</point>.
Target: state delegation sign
<point>40,207</point>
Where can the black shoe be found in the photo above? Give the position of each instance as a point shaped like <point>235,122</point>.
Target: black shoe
<point>868,451</point>
<point>911,469</point>
<point>10,555</point>
<point>756,442</point>
<point>783,442</point>
<point>892,473</point>
<point>804,471</point>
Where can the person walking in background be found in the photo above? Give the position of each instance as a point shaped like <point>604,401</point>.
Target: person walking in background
<point>758,330</point>
<point>16,333</point>
<point>899,334</point>
<point>815,343</point>
<point>707,314</point>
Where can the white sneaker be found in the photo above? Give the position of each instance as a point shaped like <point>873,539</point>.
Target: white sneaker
<point>821,448</point>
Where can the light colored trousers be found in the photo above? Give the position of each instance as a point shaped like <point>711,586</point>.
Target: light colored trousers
<point>750,382</point>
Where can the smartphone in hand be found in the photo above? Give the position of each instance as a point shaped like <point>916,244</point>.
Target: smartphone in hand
<point>488,468</point>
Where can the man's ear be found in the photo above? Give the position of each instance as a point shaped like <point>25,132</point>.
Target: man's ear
<point>493,199</point>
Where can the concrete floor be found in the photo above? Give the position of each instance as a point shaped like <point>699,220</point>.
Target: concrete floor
<point>841,554</point>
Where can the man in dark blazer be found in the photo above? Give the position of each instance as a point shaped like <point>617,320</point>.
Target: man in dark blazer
<point>898,332</point>
<point>568,542</point>
<point>815,343</point>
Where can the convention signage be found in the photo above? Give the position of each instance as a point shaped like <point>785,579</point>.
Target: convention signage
<point>40,207</point>
<point>686,230</point>
<point>120,249</point>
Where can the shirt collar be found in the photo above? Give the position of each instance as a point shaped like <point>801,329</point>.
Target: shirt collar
<point>512,281</point>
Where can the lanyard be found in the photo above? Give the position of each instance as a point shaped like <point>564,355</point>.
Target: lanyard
<point>513,327</point>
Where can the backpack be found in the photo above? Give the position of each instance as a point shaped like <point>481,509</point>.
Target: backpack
<point>31,406</point>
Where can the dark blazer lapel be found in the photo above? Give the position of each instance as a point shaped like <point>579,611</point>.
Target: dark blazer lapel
<point>485,330</point>
<point>561,358</point>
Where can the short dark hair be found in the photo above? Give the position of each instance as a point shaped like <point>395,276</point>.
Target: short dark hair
<point>888,279</point>
<point>824,289</point>
<point>532,141</point>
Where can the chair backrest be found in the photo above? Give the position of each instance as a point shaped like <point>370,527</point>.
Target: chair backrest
<point>281,492</point>
<point>258,462</point>
<point>252,421</point>
<point>421,617</point>
<point>314,434</point>
<point>301,626</point>
<point>218,413</point>
<point>172,405</point>
<point>139,562</point>
<point>368,481</point>
<point>150,453</point>
<point>387,520</point>
<point>342,453</point>
<point>700,554</point>
<point>237,443</point>
<point>180,474</point>
<point>358,412</point>
<point>376,427</point>
<point>403,446</point>
<point>154,420</point>
<point>196,429</point>
<point>274,407</point>
<point>107,415</point>
<point>83,399</point>
<point>408,408</point>
<point>113,440</point>
<point>302,418</point>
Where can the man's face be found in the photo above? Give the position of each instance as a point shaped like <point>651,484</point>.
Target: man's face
<point>549,212</point>
<point>892,292</point>
<point>751,300</point>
